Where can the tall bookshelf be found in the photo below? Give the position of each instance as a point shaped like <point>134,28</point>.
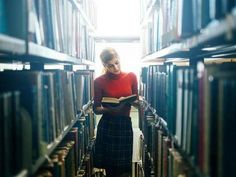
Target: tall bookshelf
<point>188,82</point>
<point>46,68</point>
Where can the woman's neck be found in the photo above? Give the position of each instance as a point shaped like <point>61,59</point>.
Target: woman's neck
<point>113,76</point>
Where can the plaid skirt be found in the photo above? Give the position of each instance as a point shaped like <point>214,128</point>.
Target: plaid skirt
<point>114,143</point>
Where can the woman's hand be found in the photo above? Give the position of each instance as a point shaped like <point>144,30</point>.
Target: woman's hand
<point>136,104</point>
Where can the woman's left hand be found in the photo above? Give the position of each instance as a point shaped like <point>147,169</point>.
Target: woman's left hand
<point>136,104</point>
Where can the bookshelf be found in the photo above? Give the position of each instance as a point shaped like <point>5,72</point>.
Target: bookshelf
<point>46,114</point>
<point>219,41</point>
<point>53,145</point>
<point>187,64</point>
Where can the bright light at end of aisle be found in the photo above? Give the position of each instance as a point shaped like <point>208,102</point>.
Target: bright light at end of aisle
<point>129,56</point>
<point>118,17</point>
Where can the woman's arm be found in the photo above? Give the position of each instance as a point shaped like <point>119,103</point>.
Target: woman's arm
<point>136,103</point>
<point>97,107</point>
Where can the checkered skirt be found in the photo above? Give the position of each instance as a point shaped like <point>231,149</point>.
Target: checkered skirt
<point>114,143</point>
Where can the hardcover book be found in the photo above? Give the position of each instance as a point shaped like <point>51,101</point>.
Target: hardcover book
<point>111,101</point>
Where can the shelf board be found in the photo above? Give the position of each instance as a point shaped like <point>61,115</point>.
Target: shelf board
<point>15,50</point>
<point>224,52</point>
<point>216,33</point>
<point>50,55</point>
<point>85,62</point>
<point>173,50</point>
<point>12,45</point>
<point>44,52</point>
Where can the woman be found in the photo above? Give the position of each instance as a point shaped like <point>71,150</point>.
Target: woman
<point>114,140</point>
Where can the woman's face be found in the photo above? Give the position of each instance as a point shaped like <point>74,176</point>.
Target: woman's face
<point>113,66</point>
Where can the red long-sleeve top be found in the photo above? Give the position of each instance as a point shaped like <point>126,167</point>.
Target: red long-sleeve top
<point>115,85</point>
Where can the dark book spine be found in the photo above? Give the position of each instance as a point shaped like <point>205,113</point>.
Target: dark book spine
<point>5,103</point>
<point>73,136</point>
<point>16,151</point>
<point>16,22</point>
<point>3,23</point>
<point>165,148</point>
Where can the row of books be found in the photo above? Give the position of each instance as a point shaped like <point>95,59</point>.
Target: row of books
<point>174,20</point>
<point>90,9</point>
<point>144,6</point>
<point>162,158</point>
<point>72,157</point>
<point>86,139</point>
<point>58,25</point>
<point>152,90</point>
<point>145,166</point>
<point>199,111</point>
<point>36,108</point>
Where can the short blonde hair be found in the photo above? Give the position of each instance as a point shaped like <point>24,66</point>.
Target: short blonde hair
<point>108,54</point>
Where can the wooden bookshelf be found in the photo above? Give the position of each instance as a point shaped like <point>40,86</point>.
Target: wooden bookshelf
<point>47,55</point>
<point>51,147</point>
<point>215,35</point>
<point>187,89</point>
<point>32,49</point>
<point>22,50</point>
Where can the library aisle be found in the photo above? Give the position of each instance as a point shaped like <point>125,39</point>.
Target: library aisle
<point>183,53</point>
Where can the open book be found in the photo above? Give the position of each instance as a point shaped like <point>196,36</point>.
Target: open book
<point>111,101</point>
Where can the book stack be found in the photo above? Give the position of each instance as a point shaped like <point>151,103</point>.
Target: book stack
<point>39,106</point>
<point>172,21</point>
<point>199,117</point>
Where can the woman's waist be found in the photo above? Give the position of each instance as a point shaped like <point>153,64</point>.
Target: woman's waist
<point>125,111</point>
<point>116,115</point>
